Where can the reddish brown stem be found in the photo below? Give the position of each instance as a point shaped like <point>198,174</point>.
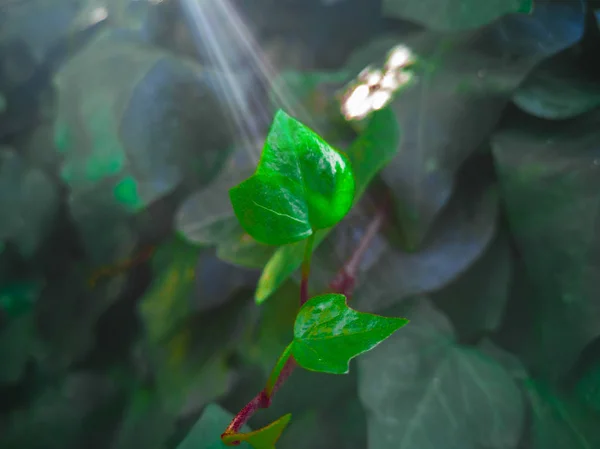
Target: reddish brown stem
<point>345,279</point>
<point>343,283</point>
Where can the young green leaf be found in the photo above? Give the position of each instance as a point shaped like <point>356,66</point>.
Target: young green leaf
<point>264,438</point>
<point>328,333</point>
<point>375,147</point>
<point>301,184</point>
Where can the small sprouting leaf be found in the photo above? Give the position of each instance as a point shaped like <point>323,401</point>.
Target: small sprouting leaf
<point>264,438</point>
<point>300,185</point>
<point>328,333</point>
<point>375,147</point>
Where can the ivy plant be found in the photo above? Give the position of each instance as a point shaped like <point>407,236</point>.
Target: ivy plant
<point>302,185</point>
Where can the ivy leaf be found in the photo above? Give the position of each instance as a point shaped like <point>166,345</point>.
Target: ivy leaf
<point>375,147</point>
<point>548,176</point>
<point>453,15</point>
<point>328,333</point>
<point>559,420</point>
<point>301,184</point>
<point>421,389</point>
<point>264,438</point>
<point>559,88</point>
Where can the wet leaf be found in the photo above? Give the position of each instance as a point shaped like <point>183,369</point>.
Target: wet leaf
<point>368,154</point>
<point>454,15</point>
<point>559,421</point>
<point>206,433</point>
<point>264,438</point>
<point>548,176</point>
<point>328,334</point>
<point>559,88</point>
<point>301,185</point>
<point>420,389</point>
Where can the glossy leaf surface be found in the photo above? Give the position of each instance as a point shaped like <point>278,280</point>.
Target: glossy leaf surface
<point>375,147</point>
<point>328,333</point>
<point>264,438</point>
<point>301,184</point>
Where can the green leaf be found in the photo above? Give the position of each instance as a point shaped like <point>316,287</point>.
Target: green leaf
<point>29,202</point>
<point>453,15</point>
<point>118,99</point>
<point>206,217</point>
<point>588,386</point>
<point>328,333</point>
<point>559,421</point>
<point>373,149</point>
<point>264,438</point>
<point>559,88</point>
<point>421,389</point>
<point>456,241</point>
<point>476,301</point>
<point>550,186</point>
<point>301,184</point>
<point>206,433</point>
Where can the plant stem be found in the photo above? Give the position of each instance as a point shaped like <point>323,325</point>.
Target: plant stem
<point>345,279</point>
<point>285,366</point>
<point>277,370</point>
<point>306,269</point>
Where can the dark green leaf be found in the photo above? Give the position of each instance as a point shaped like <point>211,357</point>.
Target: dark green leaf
<point>550,179</point>
<point>368,154</point>
<point>588,387</point>
<point>61,415</point>
<point>239,248</point>
<point>328,334</point>
<point>207,217</point>
<point>301,185</point>
<point>28,203</point>
<point>559,88</point>
<point>559,421</point>
<point>264,438</point>
<point>476,301</point>
<point>129,122</point>
<point>421,389</point>
<point>206,433</point>
<point>454,15</point>
<point>458,238</point>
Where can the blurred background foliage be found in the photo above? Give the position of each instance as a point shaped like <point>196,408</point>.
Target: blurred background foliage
<point>127,314</point>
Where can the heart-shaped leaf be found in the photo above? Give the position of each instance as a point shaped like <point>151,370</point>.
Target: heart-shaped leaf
<point>559,88</point>
<point>421,389</point>
<point>375,147</point>
<point>301,184</point>
<point>328,333</point>
<point>264,438</point>
<point>549,178</point>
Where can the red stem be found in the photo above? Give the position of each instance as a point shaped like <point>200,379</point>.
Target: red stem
<point>345,279</point>
<point>343,283</point>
